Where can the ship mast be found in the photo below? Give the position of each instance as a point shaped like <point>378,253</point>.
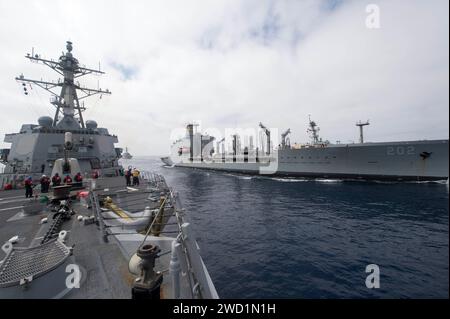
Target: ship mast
<point>67,102</point>
<point>361,126</point>
<point>313,130</point>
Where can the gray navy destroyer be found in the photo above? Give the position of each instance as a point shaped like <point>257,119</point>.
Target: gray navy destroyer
<point>425,160</point>
<point>98,237</point>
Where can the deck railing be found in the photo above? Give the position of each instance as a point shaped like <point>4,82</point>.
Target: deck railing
<point>185,251</point>
<point>185,256</point>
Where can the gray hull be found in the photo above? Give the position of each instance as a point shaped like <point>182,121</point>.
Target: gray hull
<point>415,160</point>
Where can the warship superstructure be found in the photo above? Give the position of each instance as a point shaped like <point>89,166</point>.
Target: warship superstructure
<point>100,236</point>
<point>425,160</point>
<point>35,147</point>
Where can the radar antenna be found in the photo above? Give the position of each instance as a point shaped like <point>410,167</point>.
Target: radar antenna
<point>67,101</point>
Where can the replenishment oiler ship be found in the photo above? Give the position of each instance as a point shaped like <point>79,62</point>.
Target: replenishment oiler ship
<point>126,155</point>
<point>93,235</point>
<point>425,160</point>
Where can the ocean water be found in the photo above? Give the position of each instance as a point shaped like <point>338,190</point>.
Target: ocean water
<point>263,237</point>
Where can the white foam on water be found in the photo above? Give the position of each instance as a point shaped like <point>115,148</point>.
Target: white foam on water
<point>288,180</point>
<point>244,177</point>
<point>442,182</point>
<point>319,180</point>
<point>385,182</point>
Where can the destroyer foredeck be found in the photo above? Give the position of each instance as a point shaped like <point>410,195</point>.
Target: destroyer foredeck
<point>96,238</point>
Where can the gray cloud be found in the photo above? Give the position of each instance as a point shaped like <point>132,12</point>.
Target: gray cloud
<point>127,71</point>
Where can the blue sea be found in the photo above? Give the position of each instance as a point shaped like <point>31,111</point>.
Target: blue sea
<point>263,237</point>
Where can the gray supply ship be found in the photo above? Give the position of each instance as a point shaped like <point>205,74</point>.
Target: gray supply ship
<point>126,155</point>
<point>425,160</point>
<point>95,237</point>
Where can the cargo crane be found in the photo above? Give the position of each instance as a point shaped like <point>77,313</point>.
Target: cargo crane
<point>267,132</point>
<point>285,141</point>
<point>218,146</point>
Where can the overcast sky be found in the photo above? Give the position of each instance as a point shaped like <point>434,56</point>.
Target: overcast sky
<point>228,63</point>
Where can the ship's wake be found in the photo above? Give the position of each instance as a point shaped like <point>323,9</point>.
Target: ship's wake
<point>288,180</point>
